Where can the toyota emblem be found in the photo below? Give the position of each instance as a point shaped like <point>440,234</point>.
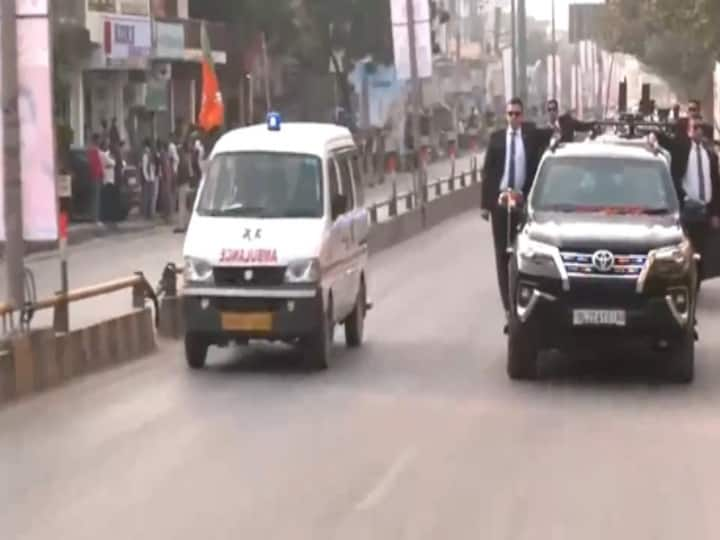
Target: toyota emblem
<point>603,260</point>
<point>248,275</point>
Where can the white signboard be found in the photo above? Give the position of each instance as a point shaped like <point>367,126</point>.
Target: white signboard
<point>507,58</point>
<point>401,39</point>
<point>31,7</point>
<point>398,11</point>
<point>37,157</point>
<point>36,118</point>
<point>127,38</point>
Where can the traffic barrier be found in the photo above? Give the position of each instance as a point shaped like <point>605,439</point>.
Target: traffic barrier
<point>33,360</point>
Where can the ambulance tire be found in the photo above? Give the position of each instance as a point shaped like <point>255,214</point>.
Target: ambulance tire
<point>196,350</point>
<point>317,348</point>
<point>355,323</point>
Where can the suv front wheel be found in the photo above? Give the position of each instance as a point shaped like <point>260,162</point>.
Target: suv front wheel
<point>523,352</point>
<point>680,367</point>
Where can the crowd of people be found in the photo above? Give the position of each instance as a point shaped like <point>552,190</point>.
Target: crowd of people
<point>167,171</point>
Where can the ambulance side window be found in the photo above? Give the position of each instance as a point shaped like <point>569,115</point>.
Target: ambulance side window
<point>346,181</point>
<point>333,181</point>
<point>357,178</point>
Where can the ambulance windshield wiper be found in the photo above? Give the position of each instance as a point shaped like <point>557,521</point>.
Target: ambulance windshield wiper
<point>236,210</point>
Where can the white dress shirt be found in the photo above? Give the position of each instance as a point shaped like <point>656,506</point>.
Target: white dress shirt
<point>520,163</point>
<point>691,182</point>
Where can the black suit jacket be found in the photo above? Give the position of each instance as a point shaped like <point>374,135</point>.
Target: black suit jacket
<point>494,167</point>
<point>679,148</point>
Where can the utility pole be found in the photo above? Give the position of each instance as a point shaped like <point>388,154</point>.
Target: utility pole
<point>513,42</point>
<point>266,69</point>
<point>554,60</point>
<point>417,104</point>
<point>14,242</point>
<point>522,50</point>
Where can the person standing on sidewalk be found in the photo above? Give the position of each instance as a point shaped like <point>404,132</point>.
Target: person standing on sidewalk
<point>185,182</point>
<point>167,181</point>
<point>97,174</point>
<point>108,195</point>
<point>150,184</point>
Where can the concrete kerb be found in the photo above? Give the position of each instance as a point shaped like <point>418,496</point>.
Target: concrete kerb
<point>41,359</point>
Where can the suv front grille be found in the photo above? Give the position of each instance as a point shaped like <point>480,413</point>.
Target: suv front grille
<point>245,276</point>
<point>583,264</point>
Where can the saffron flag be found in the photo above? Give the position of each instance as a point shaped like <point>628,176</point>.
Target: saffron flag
<point>212,110</point>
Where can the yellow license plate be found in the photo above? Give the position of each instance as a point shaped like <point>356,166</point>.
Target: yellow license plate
<point>247,322</point>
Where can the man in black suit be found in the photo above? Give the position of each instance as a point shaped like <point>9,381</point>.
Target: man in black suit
<point>682,126</point>
<point>511,161</point>
<point>696,174</point>
<point>566,124</point>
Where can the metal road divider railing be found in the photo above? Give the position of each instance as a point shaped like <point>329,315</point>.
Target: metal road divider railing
<point>438,188</point>
<point>60,303</point>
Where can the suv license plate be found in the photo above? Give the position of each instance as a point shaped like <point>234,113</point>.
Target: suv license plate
<point>599,317</point>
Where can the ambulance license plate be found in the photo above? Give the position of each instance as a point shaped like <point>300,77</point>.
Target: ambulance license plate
<point>247,322</point>
<point>599,317</point>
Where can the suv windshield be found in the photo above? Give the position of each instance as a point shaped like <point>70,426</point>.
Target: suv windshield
<point>263,184</point>
<point>604,184</point>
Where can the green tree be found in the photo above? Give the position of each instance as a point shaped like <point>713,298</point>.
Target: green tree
<point>678,40</point>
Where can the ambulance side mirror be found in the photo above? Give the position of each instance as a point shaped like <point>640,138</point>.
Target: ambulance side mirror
<point>338,205</point>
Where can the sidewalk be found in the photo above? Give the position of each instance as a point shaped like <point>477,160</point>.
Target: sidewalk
<point>80,233</point>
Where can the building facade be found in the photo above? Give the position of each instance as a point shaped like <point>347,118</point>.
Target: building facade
<point>135,61</point>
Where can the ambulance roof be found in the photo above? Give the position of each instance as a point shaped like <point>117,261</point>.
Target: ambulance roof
<point>292,137</point>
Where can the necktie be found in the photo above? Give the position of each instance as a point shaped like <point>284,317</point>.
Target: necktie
<point>511,172</point>
<point>701,172</point>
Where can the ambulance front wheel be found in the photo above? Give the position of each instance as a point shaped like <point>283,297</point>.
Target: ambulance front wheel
<point>316,349</point>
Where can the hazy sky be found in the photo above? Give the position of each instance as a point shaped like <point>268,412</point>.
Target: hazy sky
<point>542,9</point>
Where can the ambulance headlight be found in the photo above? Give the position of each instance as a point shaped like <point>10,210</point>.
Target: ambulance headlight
<point>197,270</point>
<point>303,271</point>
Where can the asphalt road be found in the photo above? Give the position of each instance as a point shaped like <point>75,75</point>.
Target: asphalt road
<point>417,436</point>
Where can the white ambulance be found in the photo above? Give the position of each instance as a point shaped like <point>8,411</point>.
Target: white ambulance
<point>277,246</point>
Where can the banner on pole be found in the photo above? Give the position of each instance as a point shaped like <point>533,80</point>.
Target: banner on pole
<point>37,135</point>
<point>401,38</point>
<point>716,100</point>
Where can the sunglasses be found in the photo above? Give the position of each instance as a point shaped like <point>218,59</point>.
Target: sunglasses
<point>514,113</point>
<point>552,109</point>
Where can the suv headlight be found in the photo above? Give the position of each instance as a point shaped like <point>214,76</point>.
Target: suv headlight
<point>197,270</point>
<point>537,257</point>
<point>303,271</point>
<point>672,259</point>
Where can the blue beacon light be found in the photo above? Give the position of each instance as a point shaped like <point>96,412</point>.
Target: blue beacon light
<point>274,121</point>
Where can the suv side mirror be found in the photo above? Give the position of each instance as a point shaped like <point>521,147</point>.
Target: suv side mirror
<point>338,205</point>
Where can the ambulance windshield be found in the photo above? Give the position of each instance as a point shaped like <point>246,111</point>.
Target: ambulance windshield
<point>263,185</point>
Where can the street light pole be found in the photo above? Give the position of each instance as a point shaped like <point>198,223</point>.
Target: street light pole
<point>554,54</point>
<point>14,243</point>
<point>513,41</point>
<point>522,50</point>
<point>416,102</point>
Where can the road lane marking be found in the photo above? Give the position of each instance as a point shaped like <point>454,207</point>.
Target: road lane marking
<point>386,482</point>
